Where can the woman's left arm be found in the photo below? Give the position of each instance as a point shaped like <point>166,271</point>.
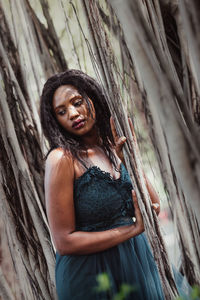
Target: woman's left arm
<point>153,195</point>
<point>119,143</point>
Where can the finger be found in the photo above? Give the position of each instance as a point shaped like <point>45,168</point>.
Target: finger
<point>155,206</point>
<point>120,143</point>
<point>132,128</point>
<point>113,129</point>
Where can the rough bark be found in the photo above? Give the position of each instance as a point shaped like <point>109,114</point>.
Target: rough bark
<point>22,165</point>
<point>154,61</point>
<point>172,120</point>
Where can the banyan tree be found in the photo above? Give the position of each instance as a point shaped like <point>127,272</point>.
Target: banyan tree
<point>146,54</point>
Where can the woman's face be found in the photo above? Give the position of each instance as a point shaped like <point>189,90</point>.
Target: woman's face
<point>72,111</point>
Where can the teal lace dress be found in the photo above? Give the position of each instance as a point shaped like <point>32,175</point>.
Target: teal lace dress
<point>101,203</point>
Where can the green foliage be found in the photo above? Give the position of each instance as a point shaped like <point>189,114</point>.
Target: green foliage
<point>104,285</point>
<point>194,295</point>
<point>125,289</point>
<point>103,282</point>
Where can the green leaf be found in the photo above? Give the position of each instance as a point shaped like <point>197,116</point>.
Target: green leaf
<point>195,292</point>
<point>125,289</point>
<point>103,282</point>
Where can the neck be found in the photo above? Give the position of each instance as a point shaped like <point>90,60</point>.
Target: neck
<point>91,139</point>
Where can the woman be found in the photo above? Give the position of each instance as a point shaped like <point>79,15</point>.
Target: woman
<point>90,200</point>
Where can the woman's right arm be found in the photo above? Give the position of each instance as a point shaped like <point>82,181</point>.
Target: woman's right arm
<point>59,181</point>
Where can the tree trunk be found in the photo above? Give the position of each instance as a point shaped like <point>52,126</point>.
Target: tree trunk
<point>149,56</point>
<point>176,133</point>
<point>22,165</point>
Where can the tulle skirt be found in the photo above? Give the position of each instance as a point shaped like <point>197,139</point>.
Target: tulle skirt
<point>127,269</point>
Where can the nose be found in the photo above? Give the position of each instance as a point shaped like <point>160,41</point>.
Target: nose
<point>73,112</point>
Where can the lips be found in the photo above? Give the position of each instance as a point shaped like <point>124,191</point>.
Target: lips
<point>78,123</point>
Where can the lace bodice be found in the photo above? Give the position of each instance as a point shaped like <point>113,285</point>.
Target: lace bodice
<point>102,202</point>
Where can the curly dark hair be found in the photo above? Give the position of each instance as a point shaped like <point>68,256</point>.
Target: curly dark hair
<point>56,135</point>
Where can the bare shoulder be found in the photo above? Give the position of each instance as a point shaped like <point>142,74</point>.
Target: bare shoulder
<point>58,186</point>
<point>59,162</point>
<point>59,176</point>
<point>57,156</point>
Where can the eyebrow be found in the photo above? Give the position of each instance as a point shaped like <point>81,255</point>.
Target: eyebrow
<point>73,98</point>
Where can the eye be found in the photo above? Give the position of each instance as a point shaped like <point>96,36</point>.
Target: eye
<point>61,112</point>
<point>78,103</point>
